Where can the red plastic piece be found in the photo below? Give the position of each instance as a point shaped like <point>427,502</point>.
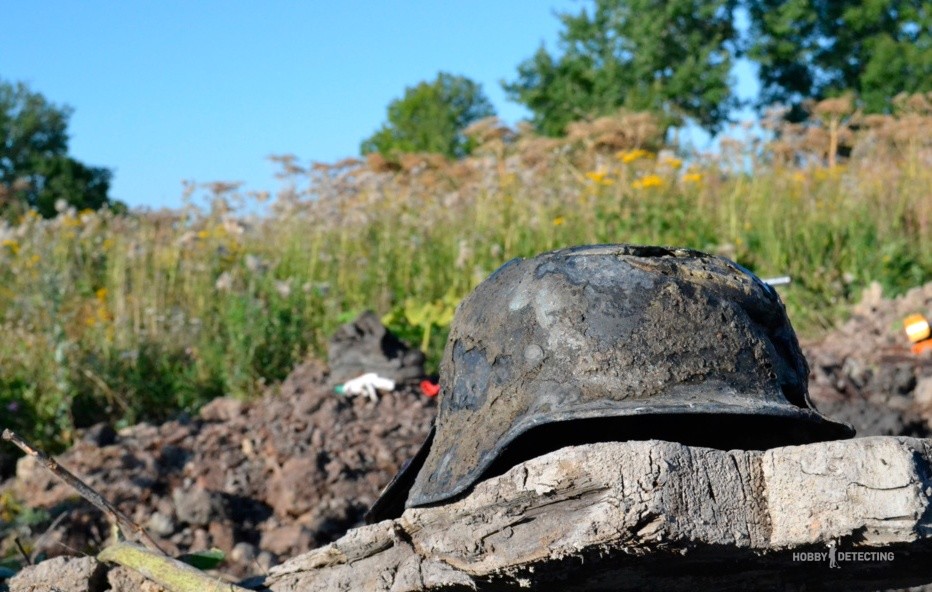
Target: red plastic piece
<point>430,389</point>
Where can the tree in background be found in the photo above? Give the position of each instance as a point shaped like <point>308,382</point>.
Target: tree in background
<point>35,169</point>
<point>670,57</point>
<point>813,49</point>
<point>431,117</point>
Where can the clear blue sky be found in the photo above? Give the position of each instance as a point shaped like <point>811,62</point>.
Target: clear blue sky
<point>171,90</point>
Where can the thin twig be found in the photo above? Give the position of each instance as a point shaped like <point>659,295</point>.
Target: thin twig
<point>22,551</point>
<point>130,529</point>
<point>105,388</point>
<point>36,546</point>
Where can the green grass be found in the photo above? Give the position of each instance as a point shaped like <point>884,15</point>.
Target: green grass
<point>137,317</point>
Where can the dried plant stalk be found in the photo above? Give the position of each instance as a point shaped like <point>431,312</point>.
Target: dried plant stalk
<point>130,529</point>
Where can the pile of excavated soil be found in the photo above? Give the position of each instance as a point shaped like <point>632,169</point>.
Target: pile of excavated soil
<point>262,481</point>
<point>865,373</point>
<point>275,477</point>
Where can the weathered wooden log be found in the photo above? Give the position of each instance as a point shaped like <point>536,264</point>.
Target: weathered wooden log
<point>656,516</point>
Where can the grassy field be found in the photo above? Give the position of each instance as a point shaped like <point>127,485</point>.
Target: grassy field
<point>136,317</point>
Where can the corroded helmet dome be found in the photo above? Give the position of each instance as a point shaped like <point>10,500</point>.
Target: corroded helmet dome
<point>610,342</point>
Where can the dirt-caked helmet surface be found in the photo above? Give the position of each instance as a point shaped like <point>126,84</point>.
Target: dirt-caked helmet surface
<point>628,342</point>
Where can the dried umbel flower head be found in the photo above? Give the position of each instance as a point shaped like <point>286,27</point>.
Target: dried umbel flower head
<point>379,164</point>
<point>490,135</point>
<point>488,129</point>
<point>537,151</point>
<point>919,103</point>
<point>836,107</point>
<point>421,161</point>
<point>287,164</point>
<point>621,131</point>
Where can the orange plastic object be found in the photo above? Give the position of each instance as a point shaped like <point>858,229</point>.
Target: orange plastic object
<point>922,346</point>
<point>917,328</point>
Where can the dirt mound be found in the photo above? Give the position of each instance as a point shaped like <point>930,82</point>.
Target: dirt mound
<point>261,480</point>
<point>864,373</point>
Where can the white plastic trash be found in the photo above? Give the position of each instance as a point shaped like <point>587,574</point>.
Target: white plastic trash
<point>368,384</point>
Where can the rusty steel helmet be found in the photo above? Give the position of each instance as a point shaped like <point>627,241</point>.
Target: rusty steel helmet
<point>610,342</point>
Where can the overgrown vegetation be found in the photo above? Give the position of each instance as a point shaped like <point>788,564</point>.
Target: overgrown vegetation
<point>137,316</point>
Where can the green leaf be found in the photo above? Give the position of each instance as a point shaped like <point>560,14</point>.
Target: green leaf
<point>209,559</point>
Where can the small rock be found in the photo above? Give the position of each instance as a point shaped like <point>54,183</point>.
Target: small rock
<point>222,409</point>
<point>26,467</point>
<point>200,541</point>
<point>923,392</point>
<point>221,535</point>
<point>291,491</point>
<point>283,539</point>
<point>194,506</point>
<point>161,524</point>
<point>122,579</point>
<point>173,458</point>
<point>65,574</point>
<point>244,553</point>
<point>898,379</point>
<point>266,561</point>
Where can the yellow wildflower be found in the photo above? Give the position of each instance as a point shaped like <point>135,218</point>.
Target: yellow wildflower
<point>69,221</point>
<point>28,216</point>
<point>559,221</point>
<point>101,294</point>
<point>202,234</point>
<point>12,245</point>
<point>599,178</point>
<point>628,156</point>
<point>830,173</point>
<point>672,162</point>
<point>647,182</point>
<point>692,177</point>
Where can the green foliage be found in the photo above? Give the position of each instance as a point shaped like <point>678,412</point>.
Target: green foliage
<point>431,117</point>
<point>62,178</point>
<point>415,322</point>
<point>204,560</point>
<point>669,57</point>
<point>35,169</point>
<point>822,48</point>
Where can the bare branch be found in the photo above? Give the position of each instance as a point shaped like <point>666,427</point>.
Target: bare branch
<point>130,529</point>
